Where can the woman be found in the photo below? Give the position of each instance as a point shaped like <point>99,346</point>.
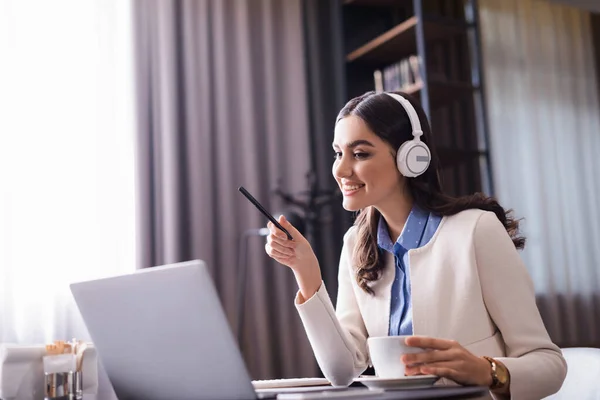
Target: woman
<point>419,262</point>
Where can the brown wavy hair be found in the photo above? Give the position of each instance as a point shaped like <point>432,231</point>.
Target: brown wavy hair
<point>387,119</point>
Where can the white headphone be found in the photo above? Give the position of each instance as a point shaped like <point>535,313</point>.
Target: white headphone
<point>413,156</point>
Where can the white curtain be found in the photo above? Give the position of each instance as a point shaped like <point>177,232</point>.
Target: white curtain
<point>67,202</point>
<point>544,114</point>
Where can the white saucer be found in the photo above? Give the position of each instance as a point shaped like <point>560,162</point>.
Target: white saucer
<point>407,382</point>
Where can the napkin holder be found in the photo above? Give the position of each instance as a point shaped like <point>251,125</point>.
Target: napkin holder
<point>22,374</point>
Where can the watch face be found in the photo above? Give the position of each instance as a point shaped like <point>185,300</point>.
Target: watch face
<point>501,373</point>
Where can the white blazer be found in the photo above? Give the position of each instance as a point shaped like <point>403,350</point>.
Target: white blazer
<point>468,284</point>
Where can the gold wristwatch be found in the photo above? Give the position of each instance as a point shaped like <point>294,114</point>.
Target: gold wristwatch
<point>500,374</point>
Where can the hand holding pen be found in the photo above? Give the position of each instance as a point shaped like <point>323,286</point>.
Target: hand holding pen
<point>288,247</point>
<point>297,254</point>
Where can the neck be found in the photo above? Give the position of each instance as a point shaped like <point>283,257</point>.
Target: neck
<point>395,211</point>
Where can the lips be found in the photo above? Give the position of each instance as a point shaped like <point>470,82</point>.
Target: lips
<point>350,189</point>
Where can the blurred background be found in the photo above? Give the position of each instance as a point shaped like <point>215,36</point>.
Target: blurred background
<point>126,128</point>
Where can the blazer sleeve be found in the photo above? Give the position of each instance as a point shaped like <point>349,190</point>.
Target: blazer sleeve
<point>338,337</point>
<point>536,365</point>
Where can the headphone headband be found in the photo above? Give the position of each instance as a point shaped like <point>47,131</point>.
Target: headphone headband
<point>412,114</point>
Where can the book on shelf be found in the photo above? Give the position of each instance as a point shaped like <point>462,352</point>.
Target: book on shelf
<point>415,65</point>
<point>378,80</point>
<point>403,75</point>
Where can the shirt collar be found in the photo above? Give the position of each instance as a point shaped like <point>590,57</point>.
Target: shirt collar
<point>411,235</point>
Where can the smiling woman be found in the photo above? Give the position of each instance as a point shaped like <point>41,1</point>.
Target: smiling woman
<point>443,271</point>
<point>66,159</point>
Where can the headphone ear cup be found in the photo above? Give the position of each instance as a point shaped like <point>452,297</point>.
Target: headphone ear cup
<point>401,159</point>
<point>413,158</point>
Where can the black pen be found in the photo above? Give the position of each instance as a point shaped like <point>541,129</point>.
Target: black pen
<point>264,211</point>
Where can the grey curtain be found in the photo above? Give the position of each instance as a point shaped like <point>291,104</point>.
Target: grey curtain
<point>540,71</point>
<point>325,66</point>
<point>222,102</point>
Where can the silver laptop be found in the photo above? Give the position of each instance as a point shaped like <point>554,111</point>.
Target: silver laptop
<point>161,333</point>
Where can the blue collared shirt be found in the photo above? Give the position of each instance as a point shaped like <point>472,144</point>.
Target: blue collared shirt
<point>418,230</point>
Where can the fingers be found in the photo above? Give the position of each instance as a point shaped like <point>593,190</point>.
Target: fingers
<point>278,236</point>
<point>277,255</point>
<point>429,343</point>
<point>443,370</point>
<point>278,251</point>
<point>290,228</point>
<point>277,242</point>
<point>412,370</point>
<point>281,246</point>
<point>430,356</point>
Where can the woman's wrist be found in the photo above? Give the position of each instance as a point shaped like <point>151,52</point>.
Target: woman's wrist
<point>486,373</point>
<point>309,281</point>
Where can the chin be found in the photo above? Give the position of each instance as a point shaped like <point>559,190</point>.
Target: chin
<point>350,205</point>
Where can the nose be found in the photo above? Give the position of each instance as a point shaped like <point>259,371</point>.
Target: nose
<point>342,168</point>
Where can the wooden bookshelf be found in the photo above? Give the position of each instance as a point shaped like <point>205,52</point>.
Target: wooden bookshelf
<point>401,40</point>
<point>443,34</point>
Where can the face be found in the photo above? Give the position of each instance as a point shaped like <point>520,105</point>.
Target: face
<point>364,166</point>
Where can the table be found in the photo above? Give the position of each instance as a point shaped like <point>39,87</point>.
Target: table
<point>435,392</point>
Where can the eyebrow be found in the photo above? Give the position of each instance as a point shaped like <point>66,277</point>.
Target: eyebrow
<point>356,143</point>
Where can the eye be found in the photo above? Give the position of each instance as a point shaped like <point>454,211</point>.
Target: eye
<point>337,155</point>
<point>361,156</point>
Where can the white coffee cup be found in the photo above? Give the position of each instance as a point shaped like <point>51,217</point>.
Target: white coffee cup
<point>386,355</point>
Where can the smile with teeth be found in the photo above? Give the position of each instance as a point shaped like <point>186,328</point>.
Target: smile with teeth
<point>348,189</point>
